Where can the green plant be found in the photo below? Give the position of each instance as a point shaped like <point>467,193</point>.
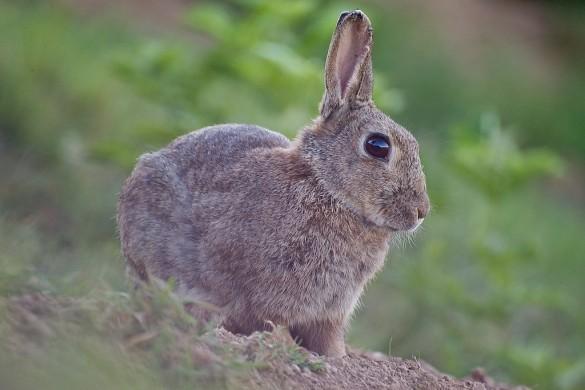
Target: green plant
<point>493,162</point>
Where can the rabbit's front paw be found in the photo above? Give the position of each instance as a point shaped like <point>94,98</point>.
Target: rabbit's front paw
<point>323,337</point>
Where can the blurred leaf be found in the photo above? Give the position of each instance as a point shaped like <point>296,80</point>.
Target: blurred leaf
<point>493,162</point>
<point>214,19</point>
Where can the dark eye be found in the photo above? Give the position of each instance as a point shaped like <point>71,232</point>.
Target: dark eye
<point>377,146</point>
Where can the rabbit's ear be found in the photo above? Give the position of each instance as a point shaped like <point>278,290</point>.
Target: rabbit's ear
<point>348,68</point>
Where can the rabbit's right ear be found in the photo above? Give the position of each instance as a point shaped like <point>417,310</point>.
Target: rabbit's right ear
<point>348,68</point>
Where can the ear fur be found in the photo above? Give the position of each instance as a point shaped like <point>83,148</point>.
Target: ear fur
<point>348,68</point>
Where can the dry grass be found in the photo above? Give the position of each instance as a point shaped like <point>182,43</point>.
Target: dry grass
<point>148,339</point>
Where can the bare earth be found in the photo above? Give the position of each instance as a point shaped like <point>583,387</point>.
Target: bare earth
<point>358,370</point>
<point>267,360</point>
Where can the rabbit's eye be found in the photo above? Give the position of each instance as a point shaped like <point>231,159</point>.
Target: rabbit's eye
<point>377,146</point>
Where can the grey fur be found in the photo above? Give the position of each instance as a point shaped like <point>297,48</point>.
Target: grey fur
<point>273,230</point>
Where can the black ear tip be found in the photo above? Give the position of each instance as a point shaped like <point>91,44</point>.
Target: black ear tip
<point>342,17</point>
<point>356,14</point>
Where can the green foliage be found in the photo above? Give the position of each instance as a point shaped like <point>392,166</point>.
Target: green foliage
<point>257,62</point>
<point>251,71</point>
<point>495,164</point>
<point>494,278</point>
<point>16,259</point>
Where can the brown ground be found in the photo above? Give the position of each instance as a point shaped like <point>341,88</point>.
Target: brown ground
<point>358,370</point>
<point>268,360</point>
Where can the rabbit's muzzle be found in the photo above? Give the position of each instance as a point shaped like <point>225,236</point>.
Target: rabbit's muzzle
<point>404,211</point>
<point>422,210</point>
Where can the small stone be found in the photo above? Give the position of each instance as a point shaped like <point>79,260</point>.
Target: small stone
<point>330,368</point>
<point>296,369</point>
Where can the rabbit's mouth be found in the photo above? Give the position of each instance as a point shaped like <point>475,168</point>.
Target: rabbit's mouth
<point>408,224</point>
<point>381,220</point>
<point>392,211</point>
<point>416,226</point>
<point>412,229</point>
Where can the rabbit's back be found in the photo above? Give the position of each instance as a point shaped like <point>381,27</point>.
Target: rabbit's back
<point>221,145</point>
<point>159,227</point>
<point>272,230</point>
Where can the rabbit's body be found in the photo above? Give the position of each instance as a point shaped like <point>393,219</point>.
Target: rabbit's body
<point>272,230</point>
<point>247,252</point>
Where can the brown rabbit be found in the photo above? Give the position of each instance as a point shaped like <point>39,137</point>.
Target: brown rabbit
<point>273,230</point>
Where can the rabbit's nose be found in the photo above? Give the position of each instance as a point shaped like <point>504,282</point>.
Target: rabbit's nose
<point>423,209</point>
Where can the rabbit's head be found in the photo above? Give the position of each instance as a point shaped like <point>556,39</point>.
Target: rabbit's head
<point>367,161</point>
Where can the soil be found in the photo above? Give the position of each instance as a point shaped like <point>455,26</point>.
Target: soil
<point>358,370</point>
<point>271,360</point>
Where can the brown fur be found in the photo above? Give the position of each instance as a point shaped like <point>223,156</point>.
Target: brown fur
<point>272,230</point>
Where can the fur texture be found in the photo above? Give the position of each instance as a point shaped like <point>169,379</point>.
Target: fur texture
<point>273,230</point>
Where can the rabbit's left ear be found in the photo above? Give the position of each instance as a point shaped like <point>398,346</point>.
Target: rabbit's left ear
<point>348,68</point>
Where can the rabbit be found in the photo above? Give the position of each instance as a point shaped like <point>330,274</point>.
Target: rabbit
<point>282,232</point>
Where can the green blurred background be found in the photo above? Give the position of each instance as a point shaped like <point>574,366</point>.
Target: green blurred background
<point>493,90</point>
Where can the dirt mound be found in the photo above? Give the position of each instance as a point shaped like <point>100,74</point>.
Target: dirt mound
<point>151,326</point>
<point>358,370</point>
